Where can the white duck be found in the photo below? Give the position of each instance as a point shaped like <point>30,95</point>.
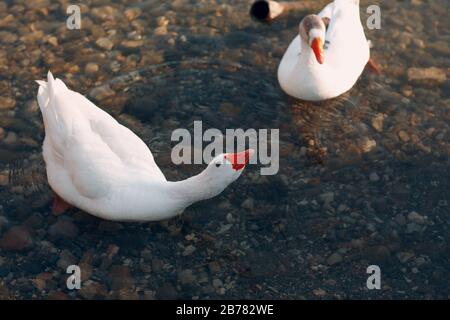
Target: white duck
<point>96,164</point>
<point>322,63</point>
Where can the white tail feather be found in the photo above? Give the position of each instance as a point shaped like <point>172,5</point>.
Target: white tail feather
<point>42,83</point>
<point>50,85</point>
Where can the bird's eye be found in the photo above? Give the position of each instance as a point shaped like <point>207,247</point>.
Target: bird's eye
<point>218,164</point>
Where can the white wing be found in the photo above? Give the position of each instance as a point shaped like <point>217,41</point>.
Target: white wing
<point>88,143</point>
<point>345,38</point>
<point>327,12</point>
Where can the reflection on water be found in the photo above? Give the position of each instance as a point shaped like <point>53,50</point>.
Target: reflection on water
<point>363,178</point>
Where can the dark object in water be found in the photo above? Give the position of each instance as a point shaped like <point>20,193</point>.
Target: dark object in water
<point>260,10</point>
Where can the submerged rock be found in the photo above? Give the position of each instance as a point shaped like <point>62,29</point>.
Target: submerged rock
<point>427,75</point>
<point>16,239</point>
<point>7,103</point>
<point>92,290</point>
<point>166,292</point>
<point>335,258</point>
<point>104,43</point>
<point>63,228</point>
<point>415,217</point>
<point>102,92</point>
<point>120,277</point>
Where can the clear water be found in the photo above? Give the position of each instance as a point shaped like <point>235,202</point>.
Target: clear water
<point>352,170</point>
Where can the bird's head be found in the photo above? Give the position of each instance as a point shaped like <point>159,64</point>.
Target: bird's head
<point>312,31</point>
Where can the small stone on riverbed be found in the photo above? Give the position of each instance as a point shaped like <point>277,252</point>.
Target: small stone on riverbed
<point>17,238</point>
<point>63,228</point>
<point>104,43</point>
<point>427,75</point>
<point>91,68</point>
<point>7,103</point>
<point>166,292</point>
<point>373,177</point>
<point>334,259</point>
<point>102,92</point>
<point>415,217</point>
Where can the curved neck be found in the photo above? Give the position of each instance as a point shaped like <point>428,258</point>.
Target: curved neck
<point>193,189</point>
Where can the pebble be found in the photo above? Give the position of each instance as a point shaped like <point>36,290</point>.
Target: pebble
<point>104,43</point>
<point>11,138</point>
<point>229,109</point>
<point>3,223</point>
<point>230,219</point>
<point>403,136</point>
<point>132,44</point>
<point>92,290</point>
<point>217,283</point>
<point>377,122</point>
<point>378,253</point>
<point>189,250</point>
<point>120,277</point>
<point>413,227</point>
<point>157,264</point>
<point>342,207</point>
<point>427,75</point>
<point>319,292</point>
<point>31,107</point>
<point>248,204</point>
<point>186,276</point>
<point>415,217</point>
<point>327,197</point>
<point>111,252</point>
<point>368,144</point>
<point>91,68</point>
<point>404,257</point>
<point>102,92</point>
<point>132,13</point>
<point>374,177</point>
<point>63,228</point>
<point>7,103</point>
<point>160,31</point>
<point>166,292</point>
<point>53,41</point>
<point>17,238</point>
<point>214,267</point>
<point>147,255</point>
<point>126,294</point>
<point>57,295</point>
<point>85,265</point>
<point>334,259</point>
<point>66,258</point>
<point>105,13</point>
<point>400,219</point>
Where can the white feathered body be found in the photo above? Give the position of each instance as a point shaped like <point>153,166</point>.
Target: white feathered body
<point>96,164</point>
<point>346,53</point>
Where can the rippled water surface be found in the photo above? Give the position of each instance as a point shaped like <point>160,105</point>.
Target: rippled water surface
<point>364,178</point>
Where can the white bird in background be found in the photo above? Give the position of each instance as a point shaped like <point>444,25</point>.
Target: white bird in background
<point>98,165</point>
<point>324,62</point>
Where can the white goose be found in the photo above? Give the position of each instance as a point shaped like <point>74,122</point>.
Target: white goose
<point>96,164</point>
<point>322,63</point>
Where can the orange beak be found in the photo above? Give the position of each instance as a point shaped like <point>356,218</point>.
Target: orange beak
<point>239,160</point>
<point>317,47</point>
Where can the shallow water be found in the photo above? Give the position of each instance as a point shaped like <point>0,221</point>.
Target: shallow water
<point>364,178</point>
